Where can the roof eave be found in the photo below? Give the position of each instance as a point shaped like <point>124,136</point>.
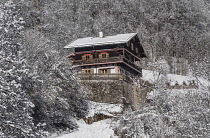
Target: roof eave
<point>97,44</point>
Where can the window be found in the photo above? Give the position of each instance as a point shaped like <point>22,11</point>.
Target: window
<point>87,71</point>
<point>103,55</point>
<point>104,71</point>
<point>87,57</point>
<point>132,46</point>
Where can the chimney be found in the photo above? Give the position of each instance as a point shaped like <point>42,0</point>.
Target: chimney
<point>101,35</point>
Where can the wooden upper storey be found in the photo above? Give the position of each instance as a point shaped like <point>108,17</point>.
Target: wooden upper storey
<point>119,56</point>
<point>133,46</point>
<point>99,54</point>
<point>129,42</point>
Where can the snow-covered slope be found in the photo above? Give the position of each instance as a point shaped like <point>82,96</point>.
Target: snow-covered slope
<point>99,129</point>
<point>152,76</point>
<point>103,108</point>
<point>102,129</point>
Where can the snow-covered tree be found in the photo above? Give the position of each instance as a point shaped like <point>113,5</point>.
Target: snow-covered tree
<point>160,70</point>
<point>15,104</point>
<point>175,29</point>
<point>52,87</point>
<point>60,98</point>
<point>175,114</point>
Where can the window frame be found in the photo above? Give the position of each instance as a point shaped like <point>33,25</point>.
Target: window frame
<point>87,71</point>
<point>132,46</point>
<point>106,54</point>
<point>87,55</point>
<point>104,71</point>
<point>103,56</point>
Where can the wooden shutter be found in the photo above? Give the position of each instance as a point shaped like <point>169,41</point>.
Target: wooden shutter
<point>100,55</point>
<point>83,71</point>
<point>92,71</point>
<point>107,55</point>
<point>108,71</point>
<point>99,71</point>
<point>83,57</point>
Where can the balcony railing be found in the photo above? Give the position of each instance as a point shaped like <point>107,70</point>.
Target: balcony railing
<point>131,64</point>
<point>97,60</point>
<point>103,77</point>
<point>106,60</point>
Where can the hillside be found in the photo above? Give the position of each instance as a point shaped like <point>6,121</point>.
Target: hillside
<point>177,30</point>
<point>99,128</point>
<point>173,79</point>
<point>169,115</point>
<point>40,94</point>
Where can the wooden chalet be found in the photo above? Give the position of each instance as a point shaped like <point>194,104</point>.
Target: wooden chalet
<point>109,57</point>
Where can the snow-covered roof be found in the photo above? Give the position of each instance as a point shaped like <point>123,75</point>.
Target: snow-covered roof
<point>95,41</point>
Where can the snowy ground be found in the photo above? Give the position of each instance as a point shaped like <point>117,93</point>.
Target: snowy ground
<point>102,129</point>
<point>152,76</point>
<point>99,129</point>
<point>103,108</point>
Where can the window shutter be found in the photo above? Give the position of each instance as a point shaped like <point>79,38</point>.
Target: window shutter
<point>92,71</point>
<point>83,57</point>
<point>83,71</point>
<point>100,55</point>
<point>107,55</point>
<point>108,71</point>
<point>99,71</point>
<point>91,56</point>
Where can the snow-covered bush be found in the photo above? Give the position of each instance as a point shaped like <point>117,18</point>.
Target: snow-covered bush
<point>160,70</point>
<point>175,114</point>
<point>57,97</point>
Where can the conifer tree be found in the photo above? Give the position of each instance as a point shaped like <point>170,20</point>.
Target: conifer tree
<point>15,106</point>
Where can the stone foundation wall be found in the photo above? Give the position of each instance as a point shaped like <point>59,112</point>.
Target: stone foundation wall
<point>107,91</point>
<point>131,95</point>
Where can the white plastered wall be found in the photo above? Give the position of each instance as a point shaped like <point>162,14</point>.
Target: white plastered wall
<point>113,69</point>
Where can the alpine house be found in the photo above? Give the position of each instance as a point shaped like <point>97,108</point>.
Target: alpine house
<point>107,57</point>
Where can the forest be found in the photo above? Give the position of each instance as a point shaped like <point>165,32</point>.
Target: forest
<point>40,95</point>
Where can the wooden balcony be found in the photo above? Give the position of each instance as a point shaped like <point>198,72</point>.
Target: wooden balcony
<point>103,77</point>
<point>97,60</point>
<point>121,59</point>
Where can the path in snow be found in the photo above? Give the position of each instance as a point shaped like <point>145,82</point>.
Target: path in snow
<point>99,129</point>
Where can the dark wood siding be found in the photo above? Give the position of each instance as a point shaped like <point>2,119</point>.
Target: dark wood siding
<point>96,54</point>
<point>136,50</point>
<point>136,43</point>
<point>100,47</point>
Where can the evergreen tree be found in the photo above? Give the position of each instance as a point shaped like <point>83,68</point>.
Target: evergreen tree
<point>15,106</point>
